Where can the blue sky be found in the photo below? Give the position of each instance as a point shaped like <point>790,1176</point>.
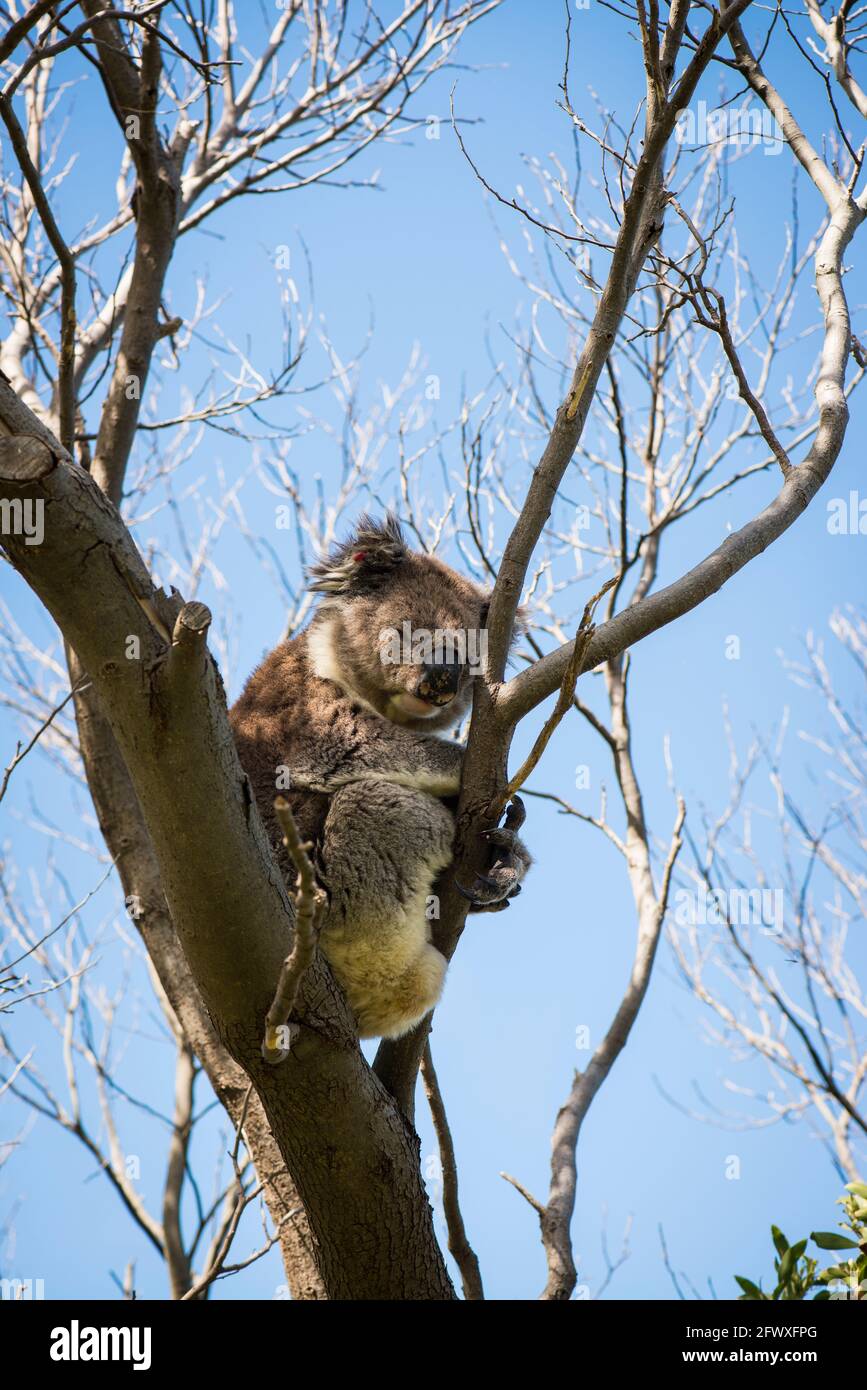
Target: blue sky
<point>423,254</point>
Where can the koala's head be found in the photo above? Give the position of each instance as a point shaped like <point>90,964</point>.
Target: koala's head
<point>399,630</point>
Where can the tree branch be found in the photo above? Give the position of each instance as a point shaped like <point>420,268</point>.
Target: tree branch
<point>310,903</point>
<point>459,1246</point>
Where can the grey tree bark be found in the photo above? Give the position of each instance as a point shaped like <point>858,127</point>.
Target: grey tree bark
<point>341,1136</point>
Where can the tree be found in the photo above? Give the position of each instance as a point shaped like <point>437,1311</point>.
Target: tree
<point>796,1272</point>
<point>216,918</point>
<point>776,964</point>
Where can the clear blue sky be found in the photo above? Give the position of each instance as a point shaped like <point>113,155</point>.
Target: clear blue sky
<point>424,253</point>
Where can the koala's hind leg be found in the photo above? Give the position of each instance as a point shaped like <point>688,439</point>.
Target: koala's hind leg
<point>382,849</point>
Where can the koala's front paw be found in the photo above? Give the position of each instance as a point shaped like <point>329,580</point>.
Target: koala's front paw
<point>510,860</point>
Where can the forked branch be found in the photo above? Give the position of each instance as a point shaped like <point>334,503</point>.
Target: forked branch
<point>310,903</point>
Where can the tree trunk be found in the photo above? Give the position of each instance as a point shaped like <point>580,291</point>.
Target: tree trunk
<point>351,1154</point>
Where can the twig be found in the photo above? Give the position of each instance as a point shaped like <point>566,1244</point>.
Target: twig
<point>678,1290</point>
<point>310,904</point>
<point>717,322</point>
<point>66,261</point>
<point>525,1193</point>
<point>217,1267</point>
<point>464,1256</point>
<point>21,753</point>
<point>567,692</point>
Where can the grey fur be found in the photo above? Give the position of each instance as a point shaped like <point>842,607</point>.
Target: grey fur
<point>369,780</point>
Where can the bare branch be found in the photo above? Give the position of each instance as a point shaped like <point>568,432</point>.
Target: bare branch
<point>310,903</point>
<point>459,1246</point>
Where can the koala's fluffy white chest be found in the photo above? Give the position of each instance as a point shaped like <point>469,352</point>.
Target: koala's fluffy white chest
<point>376,935</point>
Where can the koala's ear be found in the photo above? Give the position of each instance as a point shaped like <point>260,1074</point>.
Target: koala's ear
<point>373,551</point>
<point>522,620</point>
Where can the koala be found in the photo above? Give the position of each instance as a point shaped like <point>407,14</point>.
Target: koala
<point>346,720</point>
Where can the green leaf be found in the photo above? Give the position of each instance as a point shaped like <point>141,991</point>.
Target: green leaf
<point>750,1290</point>
<point>787,1265</point>
<point>829,1240</point>
<point>859,1188</point>
<point>779,1240</point>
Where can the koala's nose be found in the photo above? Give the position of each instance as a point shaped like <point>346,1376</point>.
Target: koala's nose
<point>439,684</point>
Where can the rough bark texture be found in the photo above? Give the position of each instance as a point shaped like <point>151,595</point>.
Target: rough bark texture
<point>348,1148</point>
<point>122,826</point>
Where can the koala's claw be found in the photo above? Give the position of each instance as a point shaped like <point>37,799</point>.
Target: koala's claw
<point>489,894</point>
<point>487,880</point>
<point>510,861</point>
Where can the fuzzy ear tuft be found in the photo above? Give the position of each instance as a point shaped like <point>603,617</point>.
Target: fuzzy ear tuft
<point>373,551</point>
<point>522,622</point>
<point>521,625</point>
